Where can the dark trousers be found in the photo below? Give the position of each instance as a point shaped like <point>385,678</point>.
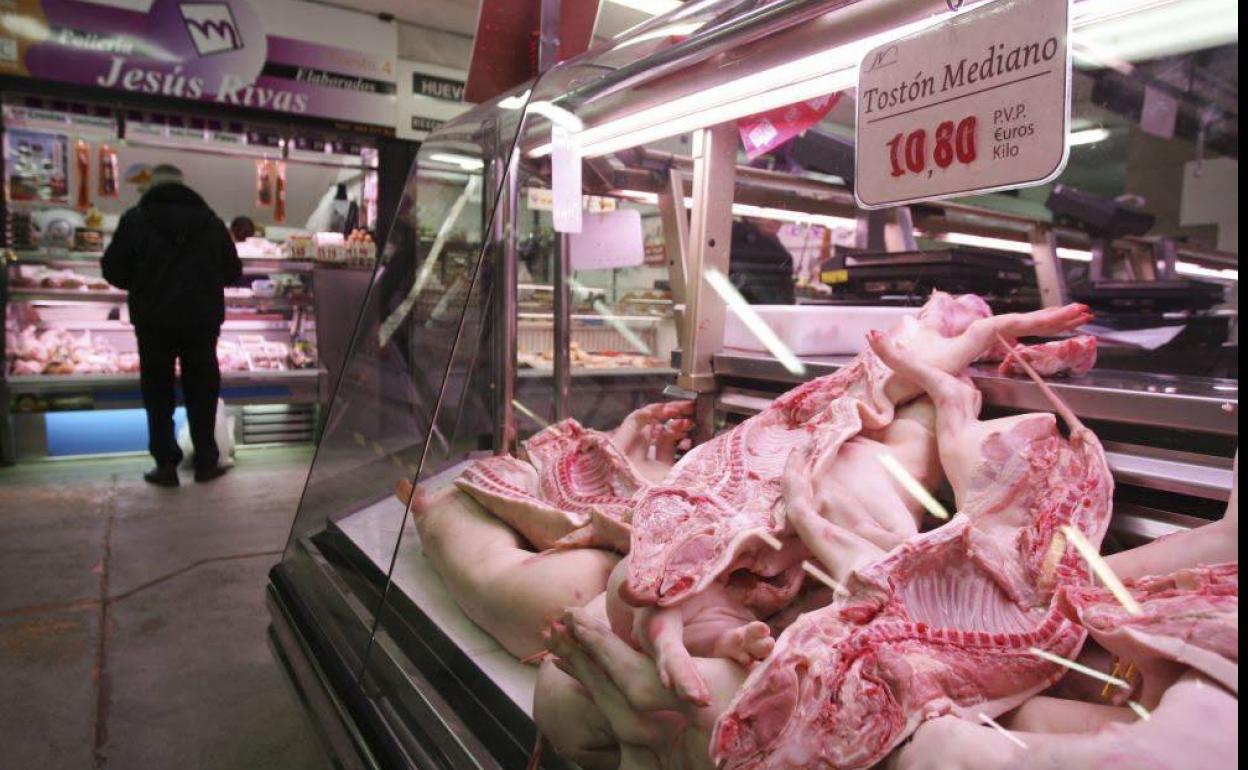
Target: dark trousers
<point>201,387</point>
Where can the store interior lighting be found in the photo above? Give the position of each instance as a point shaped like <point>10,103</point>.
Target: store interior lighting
<point>1113,28</point>
<point>759,212</point>
<point>651,7</point>
<point>1075,255</point>
<point>462,161</point>
<point>677,29</point>
<point>1132,30</point>
<point>824,73</point>
<point>1005,244</point>
<point>1088,136</point>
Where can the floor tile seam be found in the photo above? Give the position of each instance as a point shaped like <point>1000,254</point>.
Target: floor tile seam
<point>188,568</point>
<point>93,602</point>
<point>85,603</point>
<point>102,690</point>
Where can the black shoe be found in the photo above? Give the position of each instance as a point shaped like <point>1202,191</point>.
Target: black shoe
<point>208,474</point>
<point>163,476</point>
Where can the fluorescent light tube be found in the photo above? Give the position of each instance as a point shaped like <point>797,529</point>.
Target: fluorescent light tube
<point>1199,271</point>
<point>652,7</point>
<point>1088,136</point>
<point>837,69</point>
<point>820,74</point>
<point>748,210</point>
<point>1005,244</point>
<point>463,161</point>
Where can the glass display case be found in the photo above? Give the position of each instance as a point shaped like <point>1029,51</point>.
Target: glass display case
<point>432,547</point>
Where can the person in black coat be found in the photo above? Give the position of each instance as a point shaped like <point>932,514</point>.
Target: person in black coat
<point>759,265</point>
<point>174,257</point>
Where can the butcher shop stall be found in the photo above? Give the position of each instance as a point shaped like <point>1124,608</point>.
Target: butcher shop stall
<point>798,384</point>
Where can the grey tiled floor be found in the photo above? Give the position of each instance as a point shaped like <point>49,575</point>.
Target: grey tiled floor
<point>173,670</point>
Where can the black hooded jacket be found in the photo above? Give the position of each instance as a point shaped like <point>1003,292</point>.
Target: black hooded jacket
<point>175,257</point>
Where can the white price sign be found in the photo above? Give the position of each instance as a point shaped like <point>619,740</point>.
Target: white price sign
<point>980,102</point>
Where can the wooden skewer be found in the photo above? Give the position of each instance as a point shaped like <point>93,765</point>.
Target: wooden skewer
<point>825,578</point>
<point>535,758</point>
<point>1139,710</point>
<point>1059,405</point>
<point>1105,690</point>
<point>1129,674</point>
<point>535,657</point>
<point>912,485</point>
<point>1082,669</point>
<point>770,540</point>
<point>1102,570</point>
<point>993,724</point>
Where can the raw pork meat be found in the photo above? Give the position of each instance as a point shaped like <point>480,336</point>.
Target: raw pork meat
<point>499,583</point>
<point>1195,727</point>
<point>704,520</point>
<point>944,623</point>
<point>854,512</point>
<point>723,621</point>
<point>575,473</point>
<point>577,488</point>
<point>653,728</point>
<point>1190,617</point>
<point>1212,543</point>
<point>1074,356</point>
<point>697,524</point>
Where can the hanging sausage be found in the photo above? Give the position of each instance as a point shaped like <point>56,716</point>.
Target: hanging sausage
<point>83,157</point>
<point>264,183</point>
<point>108,171</point>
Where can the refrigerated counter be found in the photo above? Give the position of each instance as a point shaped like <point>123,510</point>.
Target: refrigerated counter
<point>371,623</point>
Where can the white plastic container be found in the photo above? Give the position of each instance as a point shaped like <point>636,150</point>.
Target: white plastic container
<point>815,330</point>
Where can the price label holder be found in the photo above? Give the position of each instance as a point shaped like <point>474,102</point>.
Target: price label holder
<point>977,103</point>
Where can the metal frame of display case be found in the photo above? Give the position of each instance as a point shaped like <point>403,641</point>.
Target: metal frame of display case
<point>450,715</point>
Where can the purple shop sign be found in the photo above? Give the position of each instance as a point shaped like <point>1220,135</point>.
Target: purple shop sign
<point>205,51</point>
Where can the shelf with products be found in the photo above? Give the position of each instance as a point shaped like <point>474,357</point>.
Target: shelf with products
<point>80,330</point>
<point>52,254</point>
<point>63,258</point>
<point>82,294</point>
<point>46,383</point>
<point>600,342</point>
<point>296,394</point>
<point>113,296</point>
<point>69,349</point>
<point>267,265</point>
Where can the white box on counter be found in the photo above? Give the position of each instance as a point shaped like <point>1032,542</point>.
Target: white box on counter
<point>815,330</point>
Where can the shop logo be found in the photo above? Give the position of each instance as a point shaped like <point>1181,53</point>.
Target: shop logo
<point>211,27</point>
<point>884,57</point>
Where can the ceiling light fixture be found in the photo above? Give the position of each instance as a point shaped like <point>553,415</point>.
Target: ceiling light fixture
<point>1101,27</point>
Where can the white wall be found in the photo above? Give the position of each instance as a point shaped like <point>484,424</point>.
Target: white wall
<point>228,184</point>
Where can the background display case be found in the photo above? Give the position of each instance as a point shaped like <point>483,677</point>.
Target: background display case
<point>482,326</point>
<point>70,378</point>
